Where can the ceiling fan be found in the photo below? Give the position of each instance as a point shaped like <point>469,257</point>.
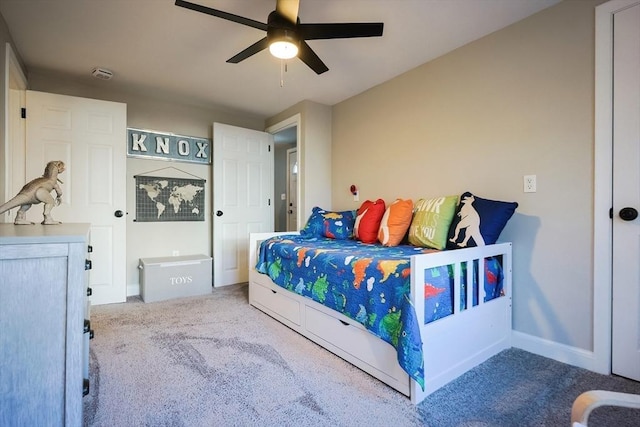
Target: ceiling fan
<point>286,36</point>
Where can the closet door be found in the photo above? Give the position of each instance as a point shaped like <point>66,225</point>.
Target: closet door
<point>626,193</point>
<point>89,136</point>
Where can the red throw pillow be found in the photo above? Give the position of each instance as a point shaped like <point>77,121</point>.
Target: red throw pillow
<point>368,221</point>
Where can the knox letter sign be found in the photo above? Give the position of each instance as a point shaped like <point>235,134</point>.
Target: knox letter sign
<point>167,146</point>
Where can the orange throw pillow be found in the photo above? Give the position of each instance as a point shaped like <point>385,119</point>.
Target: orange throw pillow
<point>368,221</point>
<point>395,222</point>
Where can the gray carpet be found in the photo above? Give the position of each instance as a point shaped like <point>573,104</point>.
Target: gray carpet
<point>216,361</point>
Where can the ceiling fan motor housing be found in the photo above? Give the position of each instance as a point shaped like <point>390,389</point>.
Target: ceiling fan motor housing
<point>280,29</point>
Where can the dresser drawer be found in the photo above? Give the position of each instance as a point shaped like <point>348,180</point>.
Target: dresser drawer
<point>277,303</point>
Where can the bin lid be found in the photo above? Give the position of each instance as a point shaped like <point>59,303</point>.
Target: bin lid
<point>174,259</point>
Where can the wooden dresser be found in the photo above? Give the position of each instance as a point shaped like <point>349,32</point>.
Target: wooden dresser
<point>44,330</point>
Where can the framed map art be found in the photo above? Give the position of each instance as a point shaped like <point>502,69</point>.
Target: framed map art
<point>160,199</point>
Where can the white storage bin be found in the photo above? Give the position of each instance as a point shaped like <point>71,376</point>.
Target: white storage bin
<point>172,277</point>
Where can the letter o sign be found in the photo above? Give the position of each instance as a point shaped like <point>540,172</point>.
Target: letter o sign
<point>183,147</point>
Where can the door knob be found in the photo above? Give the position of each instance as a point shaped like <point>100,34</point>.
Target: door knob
<point>628,214</point>
<point>118,213</point>
<point>218,213</point>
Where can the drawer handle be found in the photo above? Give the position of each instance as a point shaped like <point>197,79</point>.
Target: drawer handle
<point>273,291</point>
<point>87,328</point>
<point>344,323</point>
<point>89,292</point>
<point>87,264</point>
<point>85,386</point>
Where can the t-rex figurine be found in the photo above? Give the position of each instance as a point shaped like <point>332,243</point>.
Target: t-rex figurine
<point>37,191</point>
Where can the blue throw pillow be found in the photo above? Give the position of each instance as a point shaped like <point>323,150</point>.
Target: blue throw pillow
<point>478,221</point>
<point>331,224</point>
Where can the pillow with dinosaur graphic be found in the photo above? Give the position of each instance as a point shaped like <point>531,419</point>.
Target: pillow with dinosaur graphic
<point>330,224</point>
<point>478,221</point>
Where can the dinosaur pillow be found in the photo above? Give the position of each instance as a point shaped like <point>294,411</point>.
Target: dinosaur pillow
<point>334,225</point>
<point>395,222</point>
<point>431,220</point>
<point>368,221</point>
<point>478,221</point>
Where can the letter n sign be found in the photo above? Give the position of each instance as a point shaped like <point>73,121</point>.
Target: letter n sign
<point>168,146</point>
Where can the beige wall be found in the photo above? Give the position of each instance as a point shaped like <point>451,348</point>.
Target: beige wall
<point>156,239</point>
<point>517,102</point>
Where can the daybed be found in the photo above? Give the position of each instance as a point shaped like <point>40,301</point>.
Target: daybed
<point>410,316</point>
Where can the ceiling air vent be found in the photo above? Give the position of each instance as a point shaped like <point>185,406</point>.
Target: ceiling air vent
<point>102,74</point>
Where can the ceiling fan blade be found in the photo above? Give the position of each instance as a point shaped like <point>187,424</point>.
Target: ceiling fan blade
<point>251,50</point>
<point>309,57</point>
<point>220,14</point>
<point>288,9</point>
<point>340,30</point>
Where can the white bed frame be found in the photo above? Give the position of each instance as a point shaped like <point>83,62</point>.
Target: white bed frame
<point>451,345</point>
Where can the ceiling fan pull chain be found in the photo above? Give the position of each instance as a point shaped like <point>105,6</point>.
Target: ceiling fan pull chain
<point>284,67</point>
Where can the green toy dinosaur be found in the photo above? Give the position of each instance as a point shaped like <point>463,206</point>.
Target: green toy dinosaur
<point>37,191</point>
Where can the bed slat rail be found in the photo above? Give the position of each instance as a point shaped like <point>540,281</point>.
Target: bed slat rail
<point>454,344</point>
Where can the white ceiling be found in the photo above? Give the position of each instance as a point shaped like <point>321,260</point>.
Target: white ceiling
<point>153,46</point>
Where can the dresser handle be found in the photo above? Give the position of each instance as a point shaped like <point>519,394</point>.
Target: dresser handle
<point>87,328</point>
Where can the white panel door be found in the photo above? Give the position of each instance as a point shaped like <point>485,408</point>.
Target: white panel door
<point>90,137</point>
<point>242,198</point>
<point>292,189</point>
<point>626,194</point>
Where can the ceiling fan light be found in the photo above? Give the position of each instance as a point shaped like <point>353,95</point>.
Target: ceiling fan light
<point>283,49</point>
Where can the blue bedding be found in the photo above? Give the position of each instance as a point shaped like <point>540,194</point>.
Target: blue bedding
<point>368,283</point>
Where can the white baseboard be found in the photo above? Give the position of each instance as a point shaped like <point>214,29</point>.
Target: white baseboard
<point>561,352</point>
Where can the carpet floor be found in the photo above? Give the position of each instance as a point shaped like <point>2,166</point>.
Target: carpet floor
<point>217,361</point>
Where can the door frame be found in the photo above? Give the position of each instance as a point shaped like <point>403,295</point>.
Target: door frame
<point>603,185</point>
<point>13,155</point>
<point>294,120</point>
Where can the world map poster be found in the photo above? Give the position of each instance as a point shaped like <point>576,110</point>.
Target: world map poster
<point>169,199</point>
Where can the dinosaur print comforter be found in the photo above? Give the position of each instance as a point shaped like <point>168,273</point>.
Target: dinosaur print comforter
<point>368,283</point>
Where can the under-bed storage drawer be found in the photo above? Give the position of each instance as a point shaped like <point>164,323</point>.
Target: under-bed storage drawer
<point>356,341</point>
<point>276,302</point>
